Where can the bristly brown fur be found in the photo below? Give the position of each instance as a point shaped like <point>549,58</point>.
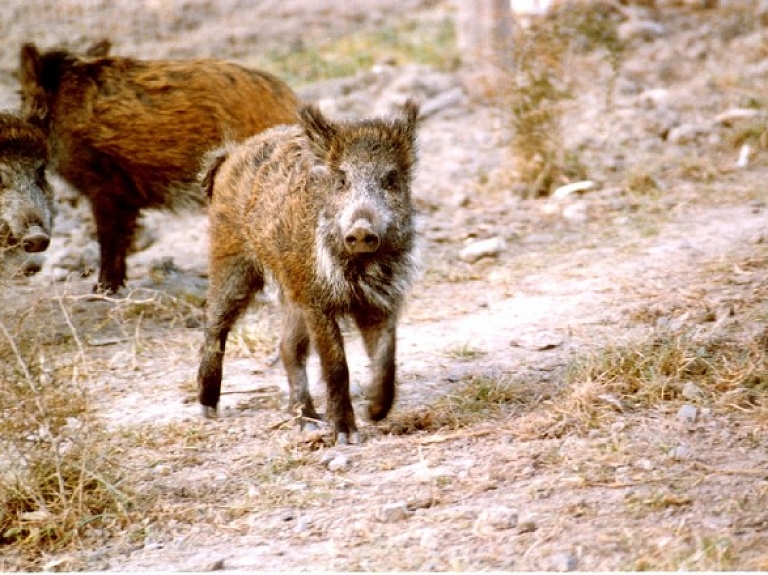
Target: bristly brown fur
<point>130,134</point>
<point>324,209</point>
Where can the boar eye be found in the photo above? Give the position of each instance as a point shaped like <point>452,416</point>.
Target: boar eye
<point>40,174</point>
<point>341,180</point>
<point>390,180</point>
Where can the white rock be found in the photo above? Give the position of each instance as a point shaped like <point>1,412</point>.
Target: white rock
<point>491,247</point>
<point>679,453</point>
<point>729,116</point>
<point>687,414</point>
<point>338,463</point>
<point>691,391</point>
<point>572,188</point>
<point>684,133</point>
<point>576,212</point>
<point>393,512</point>
<point>640,29</point>
<point>644,464</point>
<point>563,562</point>
<point>526,525</point>
<point>430,539</point>
<point>495,519</point>
<point>744,153</point>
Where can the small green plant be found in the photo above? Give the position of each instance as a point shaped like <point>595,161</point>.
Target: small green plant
<point>474,399</point>
<point>429,42</point>
<point>483,394</point>
<point>464,352</point>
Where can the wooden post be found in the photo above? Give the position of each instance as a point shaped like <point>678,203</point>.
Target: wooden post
<point>484,33</point>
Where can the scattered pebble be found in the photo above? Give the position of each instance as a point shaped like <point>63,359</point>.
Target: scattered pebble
<point>687,414</point>
<point>684,134</point>
<point>430,539</point>
<point>563,562</point>
<point>577,212</point>
<point>539,341</point>
<point>646,30</point>
<point>338,463</point>
<point>691,391</point>
<point>572,188</point>
<point>491,247</point>
<point>393,512</point>
<point>162,469</point>
<point>644,464</point>
<point>679,453</point>
<point>495,519</point>
<point>728,117</point>
<point>334,460</point>
<point>456,374</point>
<point>743,160</point>
<point>526,525</point>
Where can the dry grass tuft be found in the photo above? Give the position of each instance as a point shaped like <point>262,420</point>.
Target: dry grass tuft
<point>476,399</point>
<point>59,485</point>
<point>539,87</point>
<point>727,371</point>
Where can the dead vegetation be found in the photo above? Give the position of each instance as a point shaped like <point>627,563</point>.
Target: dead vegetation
<point>541,84</point>
<point>60,480</point>
<point>582,441</point>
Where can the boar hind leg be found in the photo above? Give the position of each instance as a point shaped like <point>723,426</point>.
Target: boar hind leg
<point>329,343</point>
<point>380,339</point>
<point>294,349</point>
<point>233,283</point>
<point>115,225</point>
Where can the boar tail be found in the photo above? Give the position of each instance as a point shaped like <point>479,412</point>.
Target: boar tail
<point>211,163</point>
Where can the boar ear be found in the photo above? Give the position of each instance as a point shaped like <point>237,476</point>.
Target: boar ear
<point>34,102</point>
<point>410,117</point>
<point>318,129</point>
<point>99,49</point>
<point>29,63</point>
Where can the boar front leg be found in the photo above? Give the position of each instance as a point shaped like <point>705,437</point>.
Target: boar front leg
<point>380,339</point>
<point>329,343</point>
<point>115,225</point>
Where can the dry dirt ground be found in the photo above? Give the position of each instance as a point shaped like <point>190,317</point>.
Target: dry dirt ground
<point>516,442</point>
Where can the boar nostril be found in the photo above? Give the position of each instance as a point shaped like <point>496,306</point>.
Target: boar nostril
<point>35,241</point>
<point>361,240</point>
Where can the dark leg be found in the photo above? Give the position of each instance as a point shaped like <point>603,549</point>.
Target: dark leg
<point>329,343</point>
<point>115,225</point>
<point>380,342</point>
<point>233,283</point>
<point>294,349</point>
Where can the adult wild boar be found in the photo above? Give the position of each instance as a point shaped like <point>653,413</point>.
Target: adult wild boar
<point>27,205</point>
<point>324,209</point>
<point>130,134</point>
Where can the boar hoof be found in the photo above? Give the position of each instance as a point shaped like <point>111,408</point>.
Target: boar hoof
<point>310,425</point>
<point>344,438</point>
<point>210,412</point>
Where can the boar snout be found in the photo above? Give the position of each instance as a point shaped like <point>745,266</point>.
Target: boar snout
<point>364,224</point>
<point>361,238</point>
<point>35,240</point>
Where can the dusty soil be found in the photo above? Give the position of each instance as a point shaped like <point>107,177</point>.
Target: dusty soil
<point>525,483</point>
